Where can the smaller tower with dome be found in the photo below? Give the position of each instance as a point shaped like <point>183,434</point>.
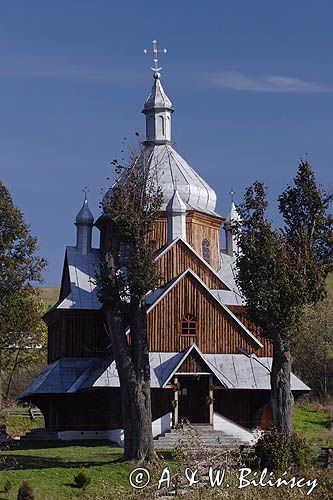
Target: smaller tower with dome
<point>84,222</point>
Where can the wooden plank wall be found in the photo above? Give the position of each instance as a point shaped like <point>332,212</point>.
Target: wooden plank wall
<point>193,364</point>
<point>216,331</point>
<point>198,228</point>
<point>81,335</point>
<point>240,312</point>
<point>247,408</point>
<point>179,258</point>
<point>201,227</point>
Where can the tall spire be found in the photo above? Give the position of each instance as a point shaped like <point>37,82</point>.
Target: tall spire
<point>84,222</point>
<point>232,218</point>
<point>158,107</point>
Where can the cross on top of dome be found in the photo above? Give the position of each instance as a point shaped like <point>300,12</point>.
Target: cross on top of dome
<point>155,53</point>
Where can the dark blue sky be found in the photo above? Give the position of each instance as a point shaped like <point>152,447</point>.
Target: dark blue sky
<point>251,84</point>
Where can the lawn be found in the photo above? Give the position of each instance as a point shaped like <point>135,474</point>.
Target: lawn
<point>50,469</point>
<point>313,424</point>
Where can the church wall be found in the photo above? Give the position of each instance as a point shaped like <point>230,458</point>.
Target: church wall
<point>200,227</point>
<point>95,409</point>
<point>240,312</point>
<point>216,331</point>
<point>81,334</point>
<point>247,408</point>
<point>179,258</point>
<point>159,234</point>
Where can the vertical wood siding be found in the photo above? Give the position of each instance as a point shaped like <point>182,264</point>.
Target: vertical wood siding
<point>179,258</point>
<point>81,335</point>
<point>216,331</point>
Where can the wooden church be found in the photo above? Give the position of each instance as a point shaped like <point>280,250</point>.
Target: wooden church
<point>208,363</point>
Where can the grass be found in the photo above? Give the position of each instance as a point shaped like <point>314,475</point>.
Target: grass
<point>51,469</point>
<point>49,294</point>
<point>313,424</point>
<point>18,426</point>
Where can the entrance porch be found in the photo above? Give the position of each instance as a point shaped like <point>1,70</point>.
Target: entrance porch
<point>193,398</point>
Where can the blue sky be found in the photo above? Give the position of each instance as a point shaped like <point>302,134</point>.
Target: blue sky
<point>251,84</point>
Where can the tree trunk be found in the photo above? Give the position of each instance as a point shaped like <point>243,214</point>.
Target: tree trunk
<point>134,390</point>
<point>140,356</point>
<point>12,373</point>
<point>282,400</point>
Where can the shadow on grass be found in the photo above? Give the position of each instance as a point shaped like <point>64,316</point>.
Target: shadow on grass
<point>26,462</point>
<point>71,485</point>
<point>39,445</point>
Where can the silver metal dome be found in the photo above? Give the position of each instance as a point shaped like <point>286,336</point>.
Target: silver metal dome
<point>174,173</point>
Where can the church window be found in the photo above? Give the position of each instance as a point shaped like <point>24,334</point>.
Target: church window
<point>188,325</point>
<point>206,250</point>
<point>162,125</point>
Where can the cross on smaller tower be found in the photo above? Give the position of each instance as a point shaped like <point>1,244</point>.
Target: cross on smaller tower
<point>232,194</point>
<point>155,53</point>
<point>85,190</point>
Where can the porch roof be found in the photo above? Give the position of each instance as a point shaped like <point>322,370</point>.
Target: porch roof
<point>234,371</point>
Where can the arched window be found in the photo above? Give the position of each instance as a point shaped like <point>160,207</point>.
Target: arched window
<point>188,325</point>
<point>162,125</point>
<point>206,250</point>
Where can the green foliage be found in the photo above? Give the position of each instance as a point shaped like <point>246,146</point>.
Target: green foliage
<point>312,347</point>
<point>276,453</point>
<point>20,312</point>
<point>25,492</point>
<point>7,486</point>
<point>82,479</point>
<point>18,263</point>
<point>128,269</point>
<point>24,337</point>
<point>282,270</point>
<point>279,271</point>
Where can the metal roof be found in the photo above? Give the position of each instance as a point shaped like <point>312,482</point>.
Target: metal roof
<point>172,172</point>
<point>82,271</point>
<point>57,377</point>
<point>157,98</point>
<point>234,371</point>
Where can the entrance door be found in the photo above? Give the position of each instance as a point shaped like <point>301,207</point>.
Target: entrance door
<point>192,398</point>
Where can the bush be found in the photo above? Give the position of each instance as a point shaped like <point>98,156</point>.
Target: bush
<point>82,479</point>
<point>299,450</point>
<point>7,486</point>
<point>25,492</point>
<point>276,453</point>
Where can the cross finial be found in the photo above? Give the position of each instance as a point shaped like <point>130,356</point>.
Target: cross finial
<point>232,194</point>
<point>85,190</point>
<point>155,53</point>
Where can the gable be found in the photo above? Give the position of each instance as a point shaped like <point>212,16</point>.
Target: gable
<point>178,257</point>
<point>193,363</point>
<point>217,330</point>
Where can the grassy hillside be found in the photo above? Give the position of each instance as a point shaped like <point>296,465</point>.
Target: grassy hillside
<point>49,294</point>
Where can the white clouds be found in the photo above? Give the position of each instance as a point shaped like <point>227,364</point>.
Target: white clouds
<point>237,81</point>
